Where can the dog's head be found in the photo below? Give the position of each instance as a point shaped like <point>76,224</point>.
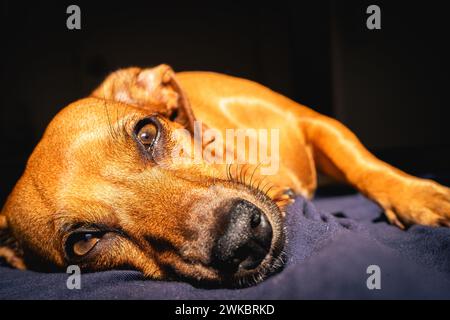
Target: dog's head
<point>101,191</point>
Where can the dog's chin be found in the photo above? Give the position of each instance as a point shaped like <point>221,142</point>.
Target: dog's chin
<point>242,279</point>
<point>248,278</point>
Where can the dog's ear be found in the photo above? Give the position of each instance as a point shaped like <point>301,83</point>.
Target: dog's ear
<point>185,113</point>
<point>10,251</point>
<point>155,89</point>
<point>161,83</point>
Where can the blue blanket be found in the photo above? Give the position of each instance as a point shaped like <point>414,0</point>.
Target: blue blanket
<point>332,242</point>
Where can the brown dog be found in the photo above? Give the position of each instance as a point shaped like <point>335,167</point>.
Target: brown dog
<point>102,190</point>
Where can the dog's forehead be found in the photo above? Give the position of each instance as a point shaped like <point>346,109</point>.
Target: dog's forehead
<point>92,114</point>
<point>80,131</point>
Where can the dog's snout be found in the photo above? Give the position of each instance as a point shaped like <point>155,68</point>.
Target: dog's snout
<point>246,239</point>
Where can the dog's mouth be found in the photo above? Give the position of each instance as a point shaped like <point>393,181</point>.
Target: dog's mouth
<point>248,248</point>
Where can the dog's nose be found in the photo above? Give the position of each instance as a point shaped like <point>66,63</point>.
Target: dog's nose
<point>246,239</point>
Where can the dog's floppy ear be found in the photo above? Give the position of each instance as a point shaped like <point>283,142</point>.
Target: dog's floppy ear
<point>155,89</point>
<point>185,111</point>
<point>162,84</point>
<point>10,252</point>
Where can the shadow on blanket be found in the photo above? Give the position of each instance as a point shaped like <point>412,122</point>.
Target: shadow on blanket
<point>328,256</point>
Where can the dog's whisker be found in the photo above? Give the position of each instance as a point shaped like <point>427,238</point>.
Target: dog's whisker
<point>231,172</point>
<point>245,173</point>
<point>253,173</point>
<point>236,172</point>
<point>240,173</point>
<point>228,170</point>
<point>117,117</point>
<point>110,127</point>
<point>260,182</point>
<point>214,174</point>
<point>270,188</point>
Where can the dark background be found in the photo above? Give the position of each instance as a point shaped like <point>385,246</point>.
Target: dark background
<point>389,86</point>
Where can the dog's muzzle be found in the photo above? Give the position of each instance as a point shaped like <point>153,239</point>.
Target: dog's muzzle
<point>245,239</point>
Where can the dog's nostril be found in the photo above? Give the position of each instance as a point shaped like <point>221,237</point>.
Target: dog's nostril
<point>262,232</point>
<point>246,240</point>
<point>256,219</point>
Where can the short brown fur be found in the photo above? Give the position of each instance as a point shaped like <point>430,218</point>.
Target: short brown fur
<point>88,170</point>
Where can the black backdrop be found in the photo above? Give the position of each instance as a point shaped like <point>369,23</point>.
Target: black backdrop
<point>390,85</point>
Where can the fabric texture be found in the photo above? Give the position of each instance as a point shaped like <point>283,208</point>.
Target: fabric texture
<point>331,243</point>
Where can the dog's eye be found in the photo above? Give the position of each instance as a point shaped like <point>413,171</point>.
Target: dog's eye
<point>83,246</point>
<point>147,134</point>
<point>80,244</point>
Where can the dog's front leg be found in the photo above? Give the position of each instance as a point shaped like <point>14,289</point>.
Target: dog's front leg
<point>405,199</point>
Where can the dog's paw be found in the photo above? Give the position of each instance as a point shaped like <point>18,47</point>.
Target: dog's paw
<point>419,201</point>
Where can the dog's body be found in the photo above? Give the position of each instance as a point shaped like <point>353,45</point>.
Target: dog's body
<point>178,220</point>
